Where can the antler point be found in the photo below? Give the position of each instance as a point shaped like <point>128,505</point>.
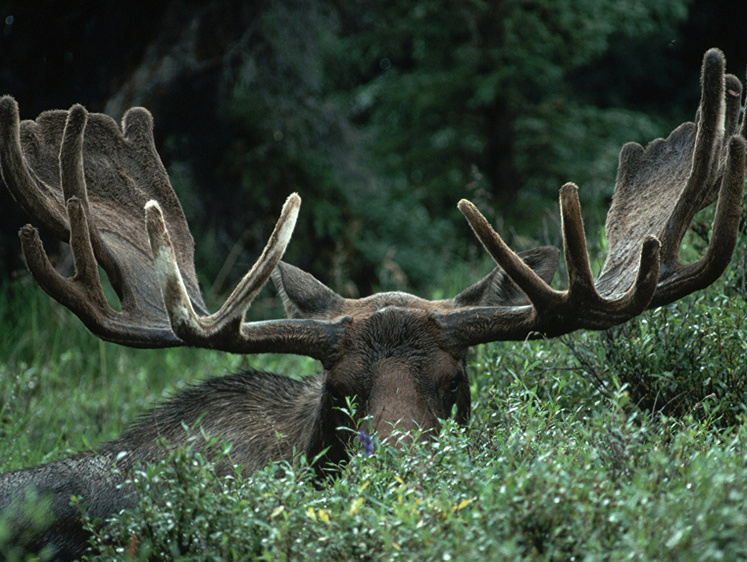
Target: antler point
<point>465,205</point>
<point>293,199</point>
<point>27,230</point>
<point>568,187</point>
<point>714,55</point>
<point>8,103</point>
<point>737,142</point>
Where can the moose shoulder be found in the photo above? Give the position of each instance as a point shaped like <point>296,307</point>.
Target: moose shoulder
<point>104,190</point>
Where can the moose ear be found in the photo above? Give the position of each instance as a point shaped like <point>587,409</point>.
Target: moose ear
<point>304,296</point>
<point>497,289</point>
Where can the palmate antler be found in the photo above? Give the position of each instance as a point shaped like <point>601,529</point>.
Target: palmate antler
<point>97,205</point>
<point>657,193</point>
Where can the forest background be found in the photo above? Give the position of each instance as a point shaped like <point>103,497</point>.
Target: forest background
<point>382,115</point>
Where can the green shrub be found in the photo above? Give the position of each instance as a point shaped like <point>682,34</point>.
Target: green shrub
<point>685,359</point>
<point>548,485</point>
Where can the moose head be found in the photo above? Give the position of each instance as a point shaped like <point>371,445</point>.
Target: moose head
<point>104,190</point>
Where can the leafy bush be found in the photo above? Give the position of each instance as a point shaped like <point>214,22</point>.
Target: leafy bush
<point>686,359</point>
<point>547,485</point>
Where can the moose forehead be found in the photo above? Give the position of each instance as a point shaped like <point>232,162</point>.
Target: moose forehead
<point>386,331</point>
<point>393,324</point>
<point>374,304</point>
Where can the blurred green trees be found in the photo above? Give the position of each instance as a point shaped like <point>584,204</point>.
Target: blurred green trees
<point>384,115</point>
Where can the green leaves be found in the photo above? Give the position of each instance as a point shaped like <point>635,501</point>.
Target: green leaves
<point>549,485</point>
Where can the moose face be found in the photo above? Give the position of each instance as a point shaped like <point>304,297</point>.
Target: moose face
<point>403,370</point>
<point>401,373</point>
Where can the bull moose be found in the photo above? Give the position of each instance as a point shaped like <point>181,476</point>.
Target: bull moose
<point>104,190</point>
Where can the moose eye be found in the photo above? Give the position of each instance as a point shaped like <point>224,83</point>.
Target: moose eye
<point>332,394</point>
<point>449,397</point>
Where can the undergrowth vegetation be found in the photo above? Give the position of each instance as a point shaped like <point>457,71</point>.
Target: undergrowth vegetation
<point>626,444</point>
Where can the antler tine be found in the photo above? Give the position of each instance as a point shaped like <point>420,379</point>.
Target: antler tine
<point>687,278</point>
<point>580,277</point>
<point>82,293</point>
<point>72,176</point>
<point>710,132</point>
<point>733,89</point>
<point>77,293</point>
<point>205,331</point>
<point>19,178</point>
<point>75,194</point>
<point>533,286</point>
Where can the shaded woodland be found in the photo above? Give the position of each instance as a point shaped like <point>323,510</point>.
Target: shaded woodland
<point>381,115</point>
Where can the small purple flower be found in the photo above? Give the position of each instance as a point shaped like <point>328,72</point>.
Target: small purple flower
<point>368,443</point>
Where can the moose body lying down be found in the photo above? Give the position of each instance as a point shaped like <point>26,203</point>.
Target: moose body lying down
<point>87,182</point>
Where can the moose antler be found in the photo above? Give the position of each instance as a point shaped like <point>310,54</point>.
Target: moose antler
<point>657,193</point>
<point>226,329</point>
<point>97,205</point>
